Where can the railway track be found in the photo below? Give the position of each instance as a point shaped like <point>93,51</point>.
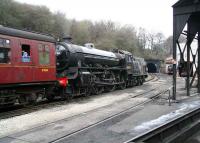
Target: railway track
<point>71,125</point>
<point>63,138</point>
<point>150,95</point>
<point>153,77</point>
<point>21,110</point>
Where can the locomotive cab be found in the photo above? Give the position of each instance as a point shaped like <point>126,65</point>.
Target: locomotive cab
<point>127,60</point>
<point>129,63</point>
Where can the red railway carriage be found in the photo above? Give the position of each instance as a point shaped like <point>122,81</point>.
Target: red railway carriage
<point>27,64</point>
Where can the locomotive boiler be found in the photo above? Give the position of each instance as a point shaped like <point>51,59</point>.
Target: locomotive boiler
<point>93,71</point>
<point>70,55</point>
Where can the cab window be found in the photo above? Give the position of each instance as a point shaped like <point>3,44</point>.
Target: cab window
<point>4,51</point>
<point>44,54</point>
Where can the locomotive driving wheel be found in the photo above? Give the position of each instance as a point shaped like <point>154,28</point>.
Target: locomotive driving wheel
<point>97,90</point>
<point>123,83</point>
<point>137,81</point>
<point>131,83</point>
<point>94,88</point>
<point>112,85</point>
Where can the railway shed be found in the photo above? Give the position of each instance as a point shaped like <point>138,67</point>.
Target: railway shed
<point>186,23</point>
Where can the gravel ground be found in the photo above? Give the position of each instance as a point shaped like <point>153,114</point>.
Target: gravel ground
<point>56,122</point>
<point>45,116</point>
<point>132,124</point>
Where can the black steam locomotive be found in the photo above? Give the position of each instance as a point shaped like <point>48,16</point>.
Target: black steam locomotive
<point>29,68</point>
<point>93,71</point>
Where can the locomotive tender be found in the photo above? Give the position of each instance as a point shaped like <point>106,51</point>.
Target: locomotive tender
<point>34,64</point>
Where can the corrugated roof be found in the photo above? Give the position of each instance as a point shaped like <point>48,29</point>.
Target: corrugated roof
<point>26,34</point>
<point>181,3</point>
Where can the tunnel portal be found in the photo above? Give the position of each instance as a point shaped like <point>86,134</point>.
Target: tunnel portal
<point>152,68</point>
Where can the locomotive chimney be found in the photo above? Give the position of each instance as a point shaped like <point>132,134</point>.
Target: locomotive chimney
<point>89,45</point>
<point>67,39</point>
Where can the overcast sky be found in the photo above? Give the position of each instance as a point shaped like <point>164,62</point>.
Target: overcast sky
<point>153,15</point>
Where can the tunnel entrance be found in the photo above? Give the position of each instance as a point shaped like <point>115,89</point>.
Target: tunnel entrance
<point>152,68</point>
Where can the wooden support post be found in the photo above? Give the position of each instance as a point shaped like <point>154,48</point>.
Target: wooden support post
<point>188,61</point>
<point>174,57</point>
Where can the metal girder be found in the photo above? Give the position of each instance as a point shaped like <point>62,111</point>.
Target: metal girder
<point>185,3</point>
<point>181,52</point>
<point>187,9</point>
<point>193,78</point>
<point>174,57</point>
<point>186,12</point>
<point>179,24</point>
<point>191,33</point>
<point>198,67</point>
<point>189,39</point>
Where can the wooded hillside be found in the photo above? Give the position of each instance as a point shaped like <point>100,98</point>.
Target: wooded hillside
<point>104,34</point>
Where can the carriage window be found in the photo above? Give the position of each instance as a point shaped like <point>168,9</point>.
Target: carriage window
<point>26,53</point>
<point>44,54</point>
<point>4,51</point>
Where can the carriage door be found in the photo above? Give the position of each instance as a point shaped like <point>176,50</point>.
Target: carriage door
<point>44,72</point>
<point>25,72</point>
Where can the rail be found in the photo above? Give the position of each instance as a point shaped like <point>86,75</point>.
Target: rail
<point>169,91</point>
